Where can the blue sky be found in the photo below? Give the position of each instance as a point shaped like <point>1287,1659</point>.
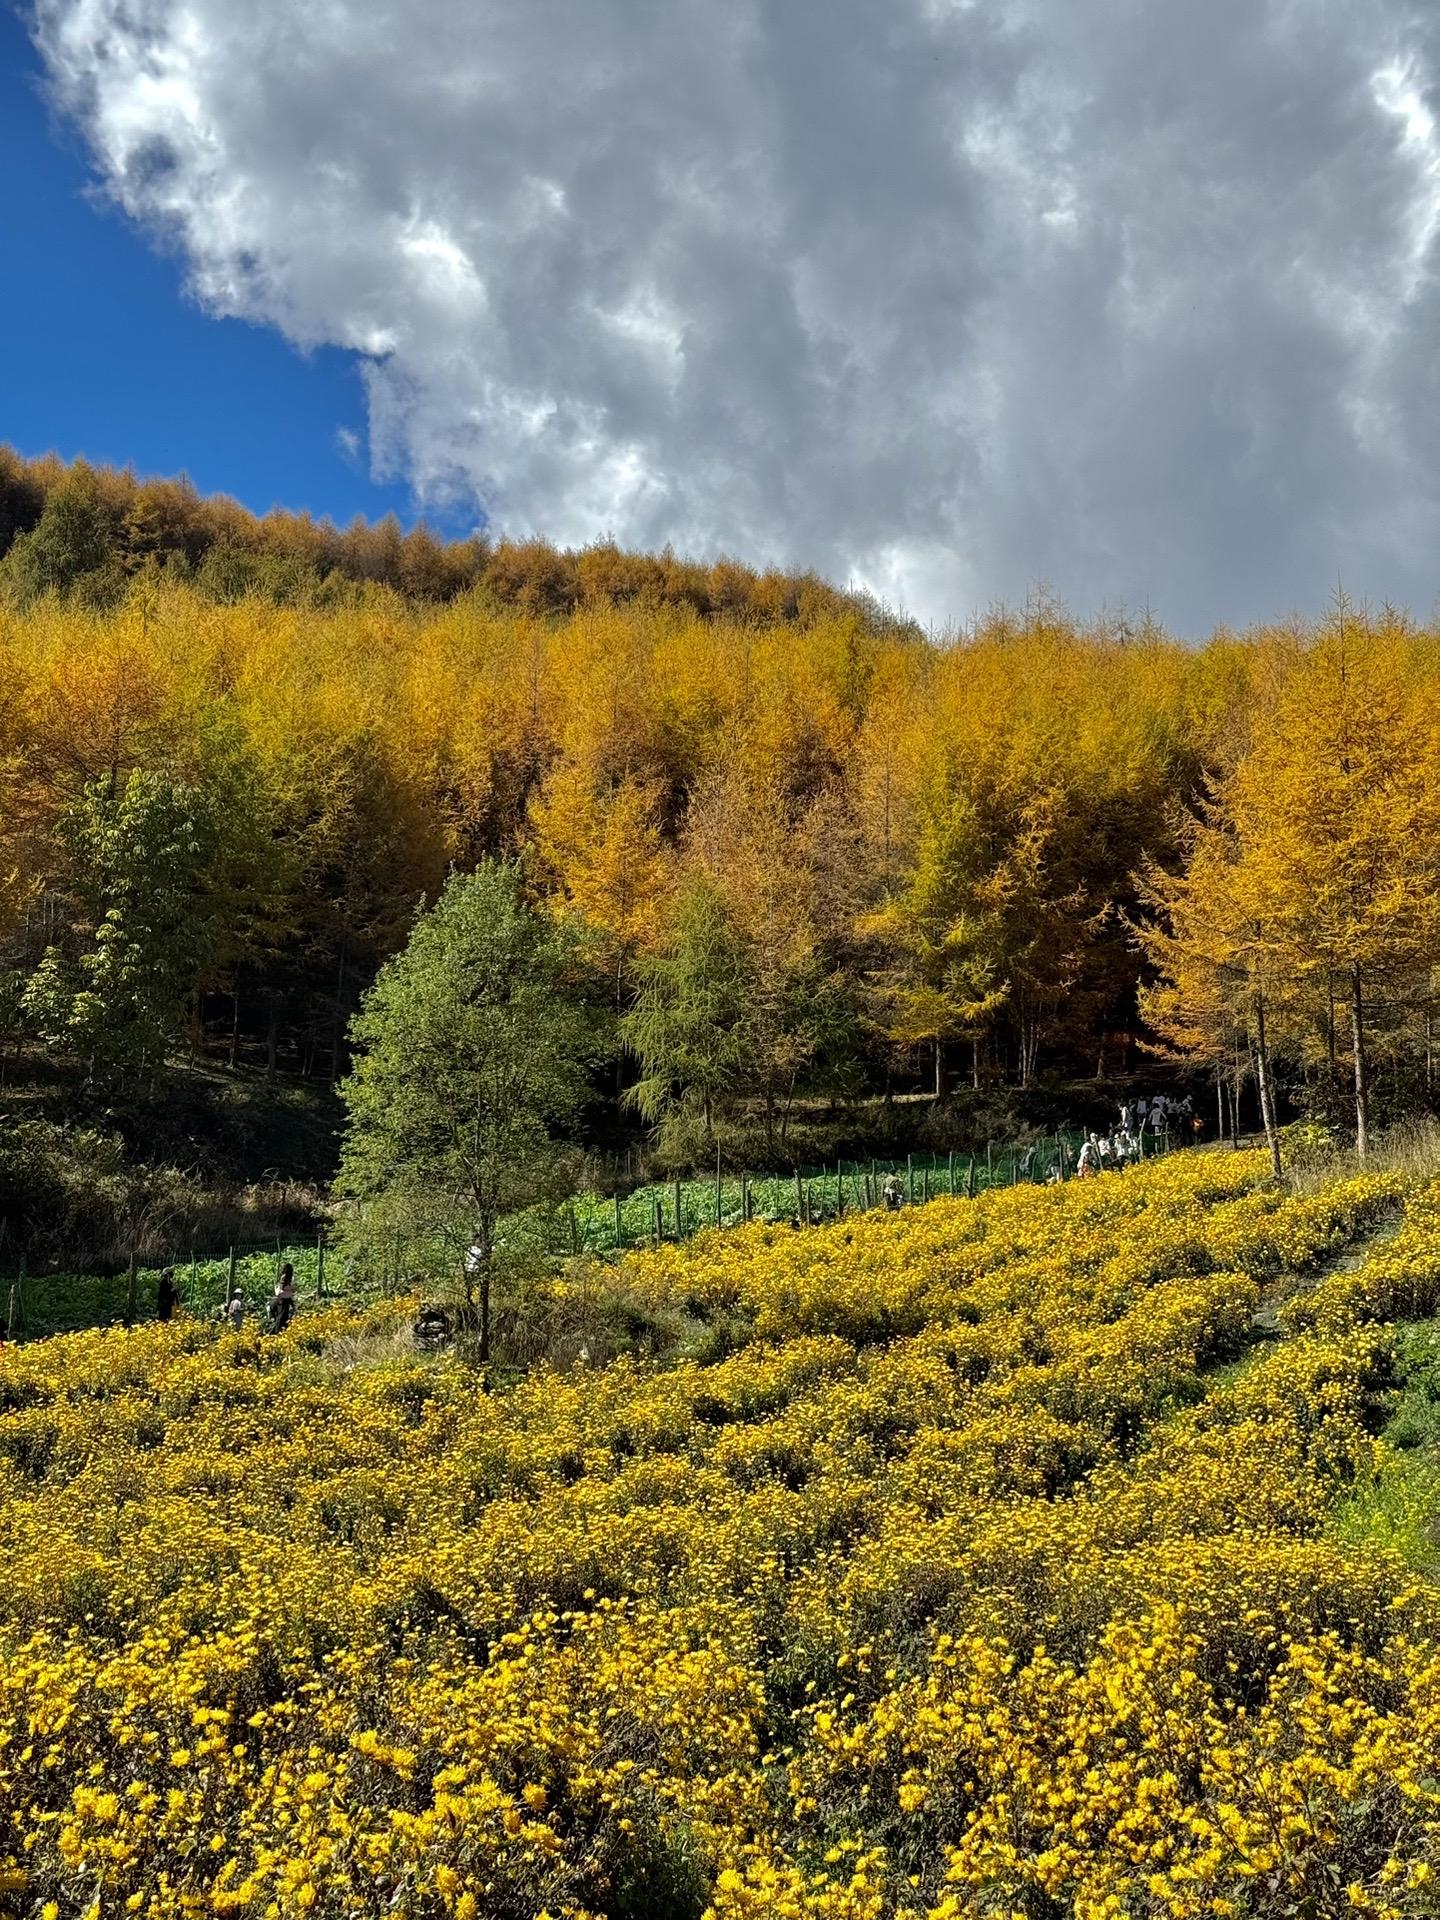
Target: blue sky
<point>945,301</point>
<point>104,355</point>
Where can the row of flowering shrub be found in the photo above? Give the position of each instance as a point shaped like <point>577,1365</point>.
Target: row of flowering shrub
<point>990,1576</point>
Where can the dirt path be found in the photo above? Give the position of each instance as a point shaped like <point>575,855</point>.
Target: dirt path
<point>1285,1286</point>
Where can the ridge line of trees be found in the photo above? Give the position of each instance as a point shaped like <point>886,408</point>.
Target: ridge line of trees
<point>87,531</point>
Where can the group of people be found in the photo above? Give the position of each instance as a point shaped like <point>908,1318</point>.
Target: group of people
<point>1162,1114</point>
<point>279,1309</point>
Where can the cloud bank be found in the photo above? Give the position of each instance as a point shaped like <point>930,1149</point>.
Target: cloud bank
<point>943,297</point>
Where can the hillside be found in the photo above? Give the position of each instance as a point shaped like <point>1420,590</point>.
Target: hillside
<point>220,814</point>
<point>1033,1554</point>
<point>820,888</point>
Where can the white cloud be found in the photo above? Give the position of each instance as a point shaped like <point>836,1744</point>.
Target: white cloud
<point>1140,301</point>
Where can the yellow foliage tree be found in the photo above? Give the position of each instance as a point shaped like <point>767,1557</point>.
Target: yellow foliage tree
<point>1212,994</point>
<point>605,855</point>
<point>1338,809</point>
<point>1316,877</point>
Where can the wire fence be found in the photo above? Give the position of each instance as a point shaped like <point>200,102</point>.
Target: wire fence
<point>677,1209</point>
<point>34,1304</point>
<point>44,1303</point>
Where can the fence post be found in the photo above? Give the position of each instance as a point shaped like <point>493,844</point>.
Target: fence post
<point>619,1229</point>
<point>925,1183</point>
<point>131,1296</point>
<point>15,1318</point>
<point>970,1179</point>
<point>679,1221</point>
<point>909,1179</point>
<point>952,1173</point>
<point>799,1197</point>
<point>657,1225</point>
<point>230,1283</point>
<point>745,1198</point>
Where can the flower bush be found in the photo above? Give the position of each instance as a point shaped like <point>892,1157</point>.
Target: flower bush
<point>993,1574</point>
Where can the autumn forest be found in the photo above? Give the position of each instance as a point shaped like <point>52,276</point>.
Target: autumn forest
<point>815,855</point>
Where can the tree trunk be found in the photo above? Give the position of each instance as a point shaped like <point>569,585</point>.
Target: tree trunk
<point>1330,1016</point>
<point>1357,1042</point>
<point>1029,1049</point>
<point>788,1109</point>
<point>939,1068</point>
<point>1266,1087</point>
<point>619,1009</point>
<point>485,1312</point>
<point>338,1034</point>
<point>478,1258</point>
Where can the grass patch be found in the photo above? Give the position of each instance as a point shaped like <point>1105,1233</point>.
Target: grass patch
<point>1410,1148</point>
<point>1398,1509</point>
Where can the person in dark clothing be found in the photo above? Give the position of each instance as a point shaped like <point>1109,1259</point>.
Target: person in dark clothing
<point>282,1301</point>
<point>167,1294</point>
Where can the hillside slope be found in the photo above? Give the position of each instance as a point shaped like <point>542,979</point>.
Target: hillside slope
<point>994,1569</point>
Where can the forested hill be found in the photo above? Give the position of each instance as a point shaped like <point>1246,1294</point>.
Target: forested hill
<point>88,531</point>
<point>812,854</point>
<point>260,795</point>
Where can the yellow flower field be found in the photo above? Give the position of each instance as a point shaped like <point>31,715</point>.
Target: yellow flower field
<point>993,1573</point>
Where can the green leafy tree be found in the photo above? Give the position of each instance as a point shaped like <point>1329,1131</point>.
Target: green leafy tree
<point>73,550</point>
<point>471,1055</point>
<point>689,1026</point>
<point>939,938</point>
<point>726,1021</point>
<point>143,853</point>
